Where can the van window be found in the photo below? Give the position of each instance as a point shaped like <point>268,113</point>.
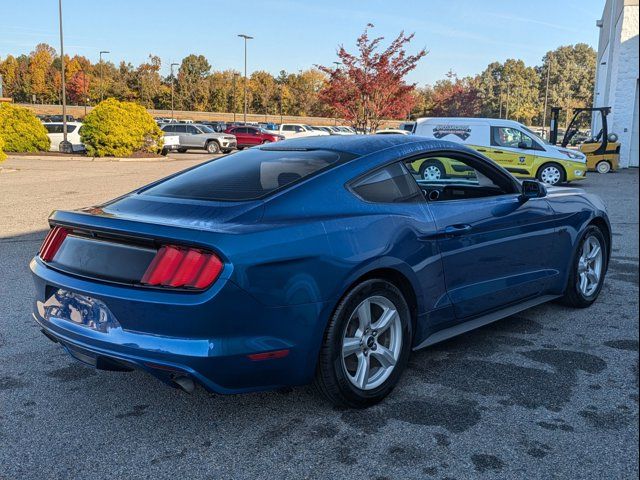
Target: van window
<point>512,138</point>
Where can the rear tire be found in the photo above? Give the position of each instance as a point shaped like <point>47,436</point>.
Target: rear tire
<point>364,354</point>
<point>182,150</point>
<point>432,170</point>
<point>583,287</point>
<point>603,167</point>
<point>551,174</point>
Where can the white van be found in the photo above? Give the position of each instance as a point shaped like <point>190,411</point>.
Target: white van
<point>510,144</point>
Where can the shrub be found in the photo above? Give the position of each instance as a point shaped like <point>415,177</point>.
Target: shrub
<point>2,154</point>
<point>21,130</point>
<point>118,129</point>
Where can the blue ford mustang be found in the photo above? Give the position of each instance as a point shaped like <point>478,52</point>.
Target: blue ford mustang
<point>322,260</point>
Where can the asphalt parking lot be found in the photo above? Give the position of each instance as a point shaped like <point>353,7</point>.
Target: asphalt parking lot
<point>550,393</point>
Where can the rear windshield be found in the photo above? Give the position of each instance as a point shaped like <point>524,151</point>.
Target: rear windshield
<point>247,175</point>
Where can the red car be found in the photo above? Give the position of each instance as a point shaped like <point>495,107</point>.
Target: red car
<point>251,136</point>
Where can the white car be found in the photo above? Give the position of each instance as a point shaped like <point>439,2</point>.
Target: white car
<point>56,135</point>
<point>296,130</point>
<point>394,131</point>
<point>171,143</point>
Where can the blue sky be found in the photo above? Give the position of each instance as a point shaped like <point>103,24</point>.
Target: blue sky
<point>461,35</point>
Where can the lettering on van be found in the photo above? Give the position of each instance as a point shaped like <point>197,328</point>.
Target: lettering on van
<point>461,131</point>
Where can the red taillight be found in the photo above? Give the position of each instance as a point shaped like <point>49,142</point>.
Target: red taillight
<point>182,267</point>
<point>52,243</point>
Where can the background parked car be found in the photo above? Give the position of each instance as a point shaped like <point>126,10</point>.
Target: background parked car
<point>295,130</point>
<point>56,135</point>
<point>216,126</point>
<point>171,143</point>
<point>201,137</point>
<point>251,136</point>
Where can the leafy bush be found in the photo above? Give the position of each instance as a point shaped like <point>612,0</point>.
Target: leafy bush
<point>21,130</point>
<point>118,129</point>
<point>2,154</point>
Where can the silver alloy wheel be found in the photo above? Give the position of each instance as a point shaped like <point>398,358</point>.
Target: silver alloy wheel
<point>551,175</point>
<point>603,167</point>
<point>371,343</point>
<point>431,172</point>
<point>590,266</point>
<point>212,147</point>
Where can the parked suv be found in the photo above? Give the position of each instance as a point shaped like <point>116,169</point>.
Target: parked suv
<point>251,136</point>
<point>200,136</point>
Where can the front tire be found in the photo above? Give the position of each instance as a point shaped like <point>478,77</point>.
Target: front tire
<point>182,150</point>
<point>587,269</point>
<point>551,174</point>
<point>213,147</point>
<point>603,167</point>
<point>366,345</point>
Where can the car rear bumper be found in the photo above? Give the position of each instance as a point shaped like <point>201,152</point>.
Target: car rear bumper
<point>219,356</point>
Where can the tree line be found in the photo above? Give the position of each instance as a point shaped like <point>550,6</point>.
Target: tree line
<point>509,90</point>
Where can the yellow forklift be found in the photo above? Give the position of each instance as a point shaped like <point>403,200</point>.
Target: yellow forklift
<point>602,150</point>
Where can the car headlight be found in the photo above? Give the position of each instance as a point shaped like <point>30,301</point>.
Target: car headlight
<point>579,157</point>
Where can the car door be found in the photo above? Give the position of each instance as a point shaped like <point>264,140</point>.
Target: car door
<point>193,137</point>
<point>241,136</point>
<point>253,136</point>
<point>181,131</point>
<point>495,246</point>
<point>513,150</point>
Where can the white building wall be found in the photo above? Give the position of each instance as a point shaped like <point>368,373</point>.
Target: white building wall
<point>617,74</point>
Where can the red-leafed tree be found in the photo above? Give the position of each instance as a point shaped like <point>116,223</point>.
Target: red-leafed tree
<point>77,87</point>
<point>370,86</point>
<point>455,97</point>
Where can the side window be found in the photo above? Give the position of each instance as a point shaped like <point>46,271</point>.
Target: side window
<point>288,128</point>
<point>392,184</point>
<point>180,128</point>
<point>511,137</point>
<point>70,128</point>
<point>192,130</point>
<point>241,130</point>
<point>458,177</point>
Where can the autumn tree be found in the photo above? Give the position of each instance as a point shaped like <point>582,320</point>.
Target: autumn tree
<point>192,86</point>
<point>455,97</point>
<point>370,85</point>
<point>78,87</point>
<point>571,71</point>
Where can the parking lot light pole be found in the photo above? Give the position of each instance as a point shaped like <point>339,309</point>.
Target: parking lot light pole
<point>172,88</point>
<point>64,90</point>
<point>246,37</point>
<point>101,68</point>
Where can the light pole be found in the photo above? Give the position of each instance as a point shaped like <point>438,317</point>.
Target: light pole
<point>246,37</point>
<point>101,68</point>
<point>64,145</point>
<point>172,88</point>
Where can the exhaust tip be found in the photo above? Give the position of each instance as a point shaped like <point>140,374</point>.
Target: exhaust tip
<point>185,384</point>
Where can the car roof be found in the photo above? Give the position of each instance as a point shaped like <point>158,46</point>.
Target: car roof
<point>361,145</point>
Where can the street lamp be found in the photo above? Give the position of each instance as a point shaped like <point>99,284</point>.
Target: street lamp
<point>172,88</point>
<point>101,68</point>
<point>246,37</point>
<point>65,146</point>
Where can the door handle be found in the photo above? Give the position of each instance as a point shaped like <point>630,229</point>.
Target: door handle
<point>498,151</point>
<point>455,230</point>
<point>481,149</point>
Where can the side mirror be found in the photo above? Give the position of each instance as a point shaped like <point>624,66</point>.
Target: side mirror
<point>532,189</point>
<point>523,146</point>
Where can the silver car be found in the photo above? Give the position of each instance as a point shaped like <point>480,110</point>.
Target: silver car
<point>200,136</point>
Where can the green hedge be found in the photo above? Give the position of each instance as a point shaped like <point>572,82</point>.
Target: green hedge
<point>118,129</point>
<point>21,130</point>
